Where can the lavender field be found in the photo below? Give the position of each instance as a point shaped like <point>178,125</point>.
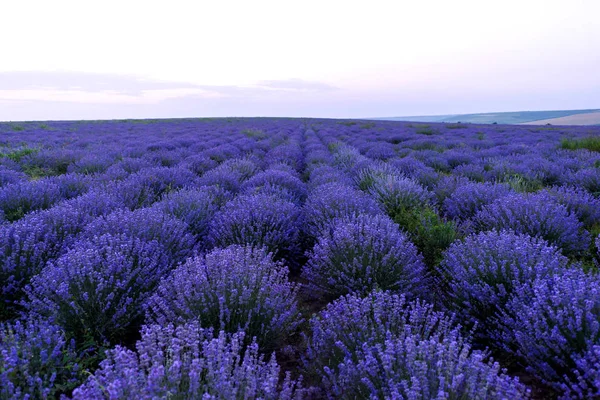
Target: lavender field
<point>262,258</point>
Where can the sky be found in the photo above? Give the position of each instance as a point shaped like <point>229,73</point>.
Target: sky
<point>327,58</point>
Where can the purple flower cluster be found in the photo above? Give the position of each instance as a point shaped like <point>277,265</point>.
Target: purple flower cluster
<point>552,327</point>
<point>483,272</point>
<point>536,215</point>
<point>468,199</point>
<point>35,358</point>
<point>361,253</point>
<point>415,368</point>
<point>278,182</point>
<point>579,202</point>
<point>147,224</point>
<point>97,289</point>
<point>231,289</point>
<point>195,207</point>
<point>397,194</point>
<point>332,200</point>
<point>259,220</point>
<point>348,323</point>
<point>186,362</point>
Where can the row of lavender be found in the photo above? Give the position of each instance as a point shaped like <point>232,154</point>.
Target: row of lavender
<point>186,227</point>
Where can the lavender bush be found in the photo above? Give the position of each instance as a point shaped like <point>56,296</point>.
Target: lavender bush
<point>345,325</point>
<point>363,253</point>
<point>416,368</point>
<point>237,288</point>
<point>553,332</point>
<point>97,289</point>
<point>332,200</point>
<point>579,202</point>
<point>536,215</point>
<point>259,220</point>
<point>483,272</point>
<point>195,207</point>
<point>468,199</point>
<point>186,362</point>
<point>36,360</point>
<point>147,224</point>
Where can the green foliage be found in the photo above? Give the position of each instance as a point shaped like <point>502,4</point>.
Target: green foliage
<point>424,129</point>
<point>480,135</point>
<point>591,143</point>
<point>428,231</point>
<point>254,133</point>
<point>523,185</point>
<point>17,128</point>
<point>347,123</point>
<point>367,125</point>
<point>17,154</point>
<point>456,126</point>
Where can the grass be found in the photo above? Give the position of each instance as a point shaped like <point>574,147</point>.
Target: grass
<point>254,133</point>
<point>367,125</point>
<point>17,154</point>
<point>424,129</point>
<point>456,126</point>
<point>591,143</point>
<point>347,123</point>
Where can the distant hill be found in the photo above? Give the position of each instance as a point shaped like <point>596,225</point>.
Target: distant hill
<point>518,117</point>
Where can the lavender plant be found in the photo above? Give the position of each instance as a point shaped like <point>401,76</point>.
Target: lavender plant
<point>231,289</point>
<point>36,360</point>
<point>362,253</point>
<point>482,273</point>
<point>195,207</point>
<point>147,224</point>
<point>553,332</point>
<point>332,200</point>
<point>271,180</point>
<point>259,220</point>
<point>415,368</point>
<point>579,202</point>
<point>536,215</point>
<point>468,199</point>
<point>186,362</point>
<point>350,324</point>
<point>97,289</point>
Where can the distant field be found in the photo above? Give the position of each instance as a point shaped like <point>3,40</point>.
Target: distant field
<point>592,118</point>
<point>517,117</point>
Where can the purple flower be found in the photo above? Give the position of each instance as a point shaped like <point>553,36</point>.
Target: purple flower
<point>259,220</point>
<point>468,199</point>
<point>579,202</point>
<point>147,224</point>
<point>348,325</point>
<point>187,362</point>
<point>362,253</point>
<point>555,331</point>
<point>35,358</point>
<point>237,288</point>
<point>195,207</point>
<point>537,215</point>
<point>99,286</point>
<point>415,368</point>
<point>279,182</point>
<point>332,200</point>
<point>483,272</point>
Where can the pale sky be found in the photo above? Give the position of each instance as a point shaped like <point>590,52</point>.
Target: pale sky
<point>147,59</point>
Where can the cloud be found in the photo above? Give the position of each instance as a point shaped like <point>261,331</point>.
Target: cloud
<point>297,84</point>
<point>36,88</point>
<point>84,81</point>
